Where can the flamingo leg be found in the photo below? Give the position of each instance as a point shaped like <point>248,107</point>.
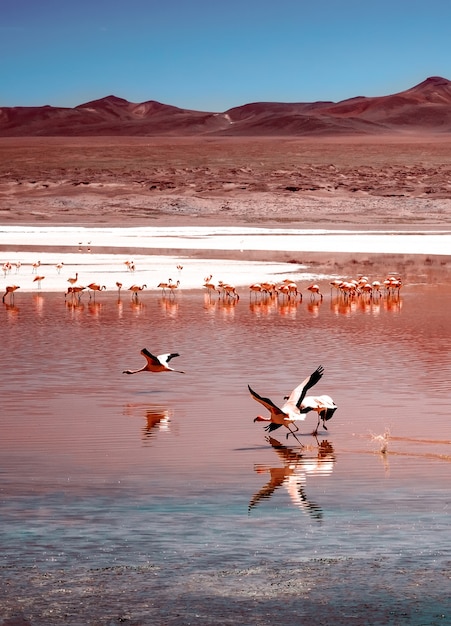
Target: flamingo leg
<point>293,432</point>
<point>315,432</point>
<point>321,416</point>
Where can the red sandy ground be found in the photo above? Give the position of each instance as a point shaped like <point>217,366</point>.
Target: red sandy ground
<point>347,182</point>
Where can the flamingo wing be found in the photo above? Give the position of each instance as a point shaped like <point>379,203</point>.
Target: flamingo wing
<point>315,403</point>
<point>323,405</point>
<point>267,403</point>
<point>152,360</point>
<point>165,358</point>
<point>298,394</point>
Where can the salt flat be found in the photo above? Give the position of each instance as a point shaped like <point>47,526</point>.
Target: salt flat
<point>96,254</point>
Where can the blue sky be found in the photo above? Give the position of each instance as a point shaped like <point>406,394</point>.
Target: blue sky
<point>210,55</point>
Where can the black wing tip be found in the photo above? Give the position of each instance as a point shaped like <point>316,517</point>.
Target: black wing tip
<point>270,427</point>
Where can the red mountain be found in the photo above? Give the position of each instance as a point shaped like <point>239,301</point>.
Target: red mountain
<point>423,108</point>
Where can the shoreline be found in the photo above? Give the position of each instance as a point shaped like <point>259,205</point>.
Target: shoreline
<point>238,255</point>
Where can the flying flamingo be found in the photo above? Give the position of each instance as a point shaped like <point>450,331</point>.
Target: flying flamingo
<point>156,363</point>
<point>10,289</point>
<point>290,411</point>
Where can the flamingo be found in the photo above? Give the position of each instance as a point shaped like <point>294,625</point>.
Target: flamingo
<point>75,291</point>
<point>255,288</point>
<point>230,291</point>
<point>59,267</point>
<point>156,363</point>
<point>211,287</point>
<point>135,288</point>
<point>72,281</point>
<point>293,290</point>
<point>38,279</point>
<point>376,285</point>
<point>290,411</point>
<point>269,287</point>
<point>10,289</point>
<point>164,286</point>
<point>324,406</point>
<point>35,267</point>
<point>6,268</point>
<point>95,287</point>
<point>314,289</point>
<point>173,286</point>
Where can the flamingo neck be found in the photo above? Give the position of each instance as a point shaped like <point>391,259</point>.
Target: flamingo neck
<point>260,418</point>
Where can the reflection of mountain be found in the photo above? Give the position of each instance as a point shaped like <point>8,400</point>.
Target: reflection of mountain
<point>157,418</point>
<point>292,475</point>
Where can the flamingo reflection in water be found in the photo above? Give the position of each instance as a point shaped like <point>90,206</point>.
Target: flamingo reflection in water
<point>157,418</point>
<point>293,473</point>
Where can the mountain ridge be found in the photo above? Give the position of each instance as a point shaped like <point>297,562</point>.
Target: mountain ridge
<point>425,107</point>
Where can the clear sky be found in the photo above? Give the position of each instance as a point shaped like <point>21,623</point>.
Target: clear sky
<point>211,55</point>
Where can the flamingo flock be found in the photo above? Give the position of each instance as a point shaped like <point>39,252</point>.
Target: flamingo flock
<point>286,292</point>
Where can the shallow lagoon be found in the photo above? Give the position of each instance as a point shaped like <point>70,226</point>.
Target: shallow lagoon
<point>161,492</point>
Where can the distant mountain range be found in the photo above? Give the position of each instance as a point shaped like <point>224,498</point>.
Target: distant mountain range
<point>423,108</point>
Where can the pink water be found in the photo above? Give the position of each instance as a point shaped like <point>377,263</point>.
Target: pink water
<point>169,473</point>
